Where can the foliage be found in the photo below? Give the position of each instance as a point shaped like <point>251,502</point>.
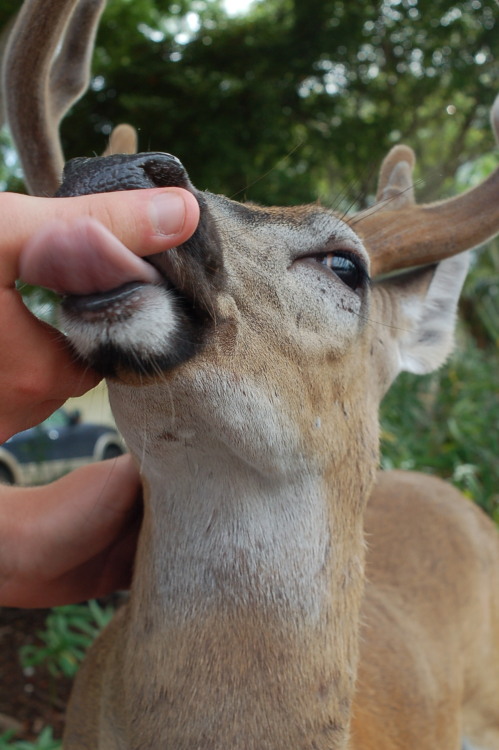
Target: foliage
<point>42,302</point>
<point>447,424</point>
<point>68,633</point>
<point>10,170</point>
<point>44,741</point>
<point>336,81</point>
<point>480,300</point>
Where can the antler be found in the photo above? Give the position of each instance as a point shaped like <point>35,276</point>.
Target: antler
<point>4,37</point>
<point>41,83</point>
<point>46,69</point>
<point>399,233</point>
<point>123,140</point>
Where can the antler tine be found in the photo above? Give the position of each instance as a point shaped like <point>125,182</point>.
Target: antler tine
<point>41,82</point>
<point>70,73</point>
<point>399,233</point>
<point>4,38</point>
<point>123,140</point>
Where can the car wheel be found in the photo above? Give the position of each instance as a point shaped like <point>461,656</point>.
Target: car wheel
<point>112,451</point>
<point>6,475</point>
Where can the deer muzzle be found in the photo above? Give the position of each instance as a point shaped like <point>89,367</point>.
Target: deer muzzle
<point>105,174</point>
<point>155,321</point>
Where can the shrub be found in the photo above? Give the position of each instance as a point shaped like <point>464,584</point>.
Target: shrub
<point>68,633</point>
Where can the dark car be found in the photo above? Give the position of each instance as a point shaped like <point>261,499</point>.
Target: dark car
<point>59,444</point>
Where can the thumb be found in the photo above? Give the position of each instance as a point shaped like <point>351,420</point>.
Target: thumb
<point>146,221</point>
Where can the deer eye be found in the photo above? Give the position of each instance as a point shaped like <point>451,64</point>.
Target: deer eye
<point>346,267</point>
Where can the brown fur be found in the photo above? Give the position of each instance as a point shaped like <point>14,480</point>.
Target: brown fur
<point>429,642</point>
<point>242,630</point>
<point>429,666</point>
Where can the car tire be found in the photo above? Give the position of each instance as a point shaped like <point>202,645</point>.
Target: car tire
<point>112,451</point>
<point>6,475</point>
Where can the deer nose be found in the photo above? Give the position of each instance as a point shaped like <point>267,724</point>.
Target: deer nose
<point>104,174</point>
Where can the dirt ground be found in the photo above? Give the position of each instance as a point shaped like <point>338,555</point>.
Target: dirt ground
<point>32,699</point>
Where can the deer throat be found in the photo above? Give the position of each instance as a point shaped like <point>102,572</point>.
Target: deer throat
<point>244,610</point>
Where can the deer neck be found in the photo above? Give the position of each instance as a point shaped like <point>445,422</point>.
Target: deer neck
<point>245,601</point>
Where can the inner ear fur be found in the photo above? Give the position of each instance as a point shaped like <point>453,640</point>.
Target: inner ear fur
<point>418,310</point>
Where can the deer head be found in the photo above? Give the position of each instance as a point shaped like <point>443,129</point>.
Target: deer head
<point>315,264</point>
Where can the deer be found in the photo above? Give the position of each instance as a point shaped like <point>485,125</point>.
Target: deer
<point>286,593</point>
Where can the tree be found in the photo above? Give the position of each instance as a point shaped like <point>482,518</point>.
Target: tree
<point>294,99</point>
<point>297,99</point>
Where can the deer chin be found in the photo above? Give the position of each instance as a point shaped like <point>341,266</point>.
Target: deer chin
<point>137,328</point>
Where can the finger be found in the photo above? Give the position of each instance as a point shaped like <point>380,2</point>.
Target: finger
<point>72,539</point>
<point>107,572</point>
<point>146,221</point>
<point>84,511</point>
<point>82,257</point>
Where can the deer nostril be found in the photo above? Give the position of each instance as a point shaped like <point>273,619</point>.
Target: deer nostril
<point>165,170</point>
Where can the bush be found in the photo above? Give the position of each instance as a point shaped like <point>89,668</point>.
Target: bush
<point>44,741</point>
<point>447,424</point>
<point>69,631</point>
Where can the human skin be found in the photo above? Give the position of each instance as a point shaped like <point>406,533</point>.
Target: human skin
<point>75,538</point>
<point>71,540</point>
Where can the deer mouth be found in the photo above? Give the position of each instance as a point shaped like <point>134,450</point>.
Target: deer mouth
<point>128,314</point>
<point>110,286</point>
<point>154,319</point>
<point>138,327</point>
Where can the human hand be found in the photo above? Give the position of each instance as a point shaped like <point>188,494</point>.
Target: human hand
<point>70,540</point>
<point>38,370</point>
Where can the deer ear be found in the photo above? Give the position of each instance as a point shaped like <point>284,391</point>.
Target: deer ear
<point>423,305</point>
